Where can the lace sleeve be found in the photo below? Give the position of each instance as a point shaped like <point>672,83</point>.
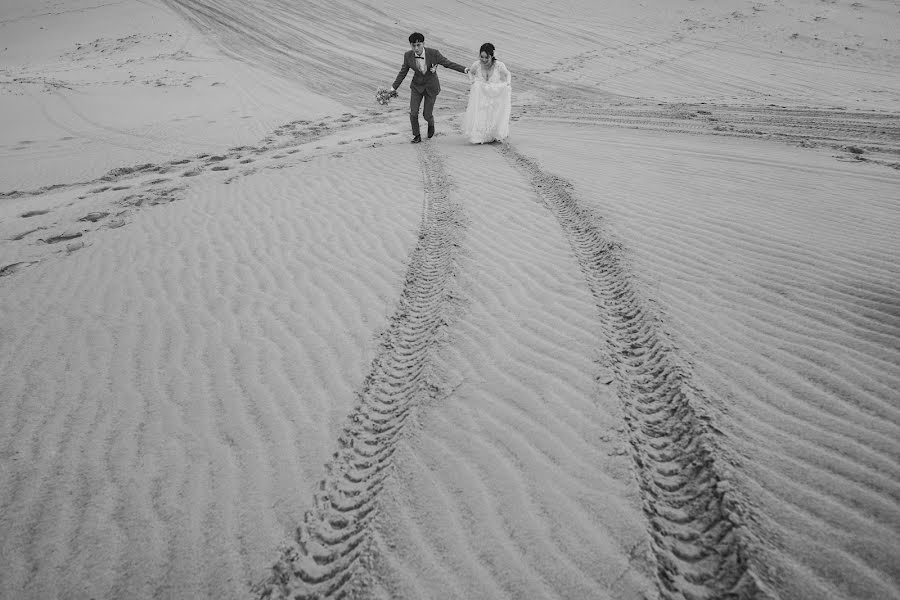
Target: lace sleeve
<point>473,71</point>
<point>505,75</point>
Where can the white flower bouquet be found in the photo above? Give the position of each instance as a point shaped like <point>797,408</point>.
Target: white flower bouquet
<point>384,95</point>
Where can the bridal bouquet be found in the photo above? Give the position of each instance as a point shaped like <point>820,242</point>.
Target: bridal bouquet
<point>384,95</point>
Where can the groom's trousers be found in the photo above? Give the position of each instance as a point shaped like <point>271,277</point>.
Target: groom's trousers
<point>415,100</point>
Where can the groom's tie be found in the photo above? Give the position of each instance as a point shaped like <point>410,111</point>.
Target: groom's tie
<point>420,65</point>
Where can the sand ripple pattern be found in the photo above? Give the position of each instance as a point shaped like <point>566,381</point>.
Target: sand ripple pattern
<point>334,545</point>
<point>698,538</point>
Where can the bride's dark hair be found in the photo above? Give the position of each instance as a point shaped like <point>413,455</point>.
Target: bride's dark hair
<point>487,48</point>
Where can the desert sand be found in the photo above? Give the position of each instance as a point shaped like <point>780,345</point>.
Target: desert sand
<point>255,344</point>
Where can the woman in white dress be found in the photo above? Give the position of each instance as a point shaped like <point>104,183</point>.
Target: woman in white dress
<point>490,99</point>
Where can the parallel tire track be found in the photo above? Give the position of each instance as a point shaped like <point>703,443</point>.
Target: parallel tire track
<point>334,545</point>
<point>695,523</point>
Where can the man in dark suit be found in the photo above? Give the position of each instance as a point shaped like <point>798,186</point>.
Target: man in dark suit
<point>425,84</point>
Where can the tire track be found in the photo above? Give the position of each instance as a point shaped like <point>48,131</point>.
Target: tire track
<point>866,135</point>
<point>334,546</point>
<point>696,526</point>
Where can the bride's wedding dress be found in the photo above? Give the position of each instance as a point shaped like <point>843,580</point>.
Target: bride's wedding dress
<point>490,100</point>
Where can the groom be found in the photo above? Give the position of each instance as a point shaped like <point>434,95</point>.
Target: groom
<point>425,84</point>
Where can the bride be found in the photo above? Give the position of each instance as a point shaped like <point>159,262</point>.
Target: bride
<point>487,116</point>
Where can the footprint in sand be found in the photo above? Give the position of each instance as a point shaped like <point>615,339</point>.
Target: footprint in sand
<point>93,217</point>
<point>22,235</point>
<point>34,213</point>
<point>132,200</point>
<point>13,268</point>
<point>63,237</point>
<point>221,168</point>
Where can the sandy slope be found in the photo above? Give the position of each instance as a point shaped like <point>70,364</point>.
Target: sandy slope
<point>176,382</point>
<point>516,484</point>
<point>255,343</point>
<point>779,291</point>
<point>88,87</point>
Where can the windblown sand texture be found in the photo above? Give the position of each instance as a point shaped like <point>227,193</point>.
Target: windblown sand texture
<point>254,344</point>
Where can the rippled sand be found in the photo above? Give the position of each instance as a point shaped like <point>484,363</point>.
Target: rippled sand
<point>255,344</point>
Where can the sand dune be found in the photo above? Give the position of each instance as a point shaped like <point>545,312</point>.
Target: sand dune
<point>522,464</point>
<point>257,345</point>
<point>766,286</point>
<point>216,375</point>
<point>96,87</point>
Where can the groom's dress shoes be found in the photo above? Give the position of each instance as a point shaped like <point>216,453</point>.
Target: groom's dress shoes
<point>416,139</point>
<point>430,130</point>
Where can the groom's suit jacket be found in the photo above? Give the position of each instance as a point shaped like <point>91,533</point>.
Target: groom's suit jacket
<point>427,82</point>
